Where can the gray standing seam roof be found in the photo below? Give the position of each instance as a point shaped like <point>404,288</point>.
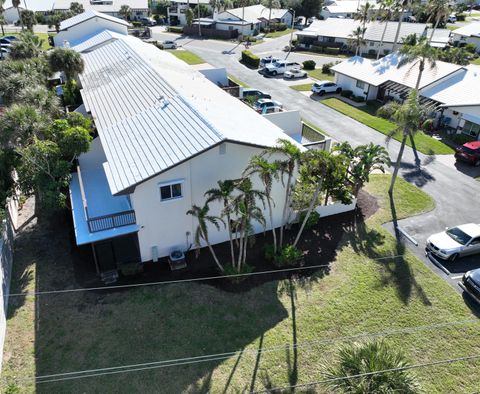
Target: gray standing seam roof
<point>89,14</point>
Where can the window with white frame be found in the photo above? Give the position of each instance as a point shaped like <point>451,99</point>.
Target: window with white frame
<point>171,190</point>
<point>471,128</point>
<point>360,84</point>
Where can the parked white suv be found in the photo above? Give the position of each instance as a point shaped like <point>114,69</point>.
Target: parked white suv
<point>323,87</point>
<point>169,45</point>
<point>279,67</point>
<point>455,242</point>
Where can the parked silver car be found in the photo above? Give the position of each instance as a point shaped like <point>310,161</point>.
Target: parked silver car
<point>169,45</point>
<point>323,87</point>
<point>455,242</point>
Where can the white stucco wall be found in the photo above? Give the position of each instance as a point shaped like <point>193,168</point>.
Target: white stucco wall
<point>165,224</point>
<point>289,121</point>
<point>348,83</point>
<point>87,29</point>
<point>11,15</point>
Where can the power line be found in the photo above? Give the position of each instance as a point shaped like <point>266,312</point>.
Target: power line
<point>170,282</point>
<point>360,375</point>
<point>223,356</point>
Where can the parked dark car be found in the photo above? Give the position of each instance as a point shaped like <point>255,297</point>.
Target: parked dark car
<point>255,93</point>
<point>469,153</point>
<point>471,283</point>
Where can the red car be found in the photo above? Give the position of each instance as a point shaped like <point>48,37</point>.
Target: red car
<point>469,152</point>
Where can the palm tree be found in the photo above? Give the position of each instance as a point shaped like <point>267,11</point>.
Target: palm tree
<point>456,55</point>
<point>385,14</point>
<point>20,124</point>
<point>2,18</point>
<point>364,14</point>
<point>356,39</point>
<point>245,205</point>
<point>408,117</point>
<point>418,50</point>
<point>38,96</point>
<point>27,46</point>
<point>223,194</point>
<point>402,5</point>
<point>76,8</point>
<point>437,10</point>
<point>203,218</point>
<point>124,12</point>
<point>366,359</point>
<point>313,169</point>
<point>293,156</point>
<point>16,5</point>
<point>28,19</point>
<point>66,60</point>
<point>267,172</point>
<point>362,160</point>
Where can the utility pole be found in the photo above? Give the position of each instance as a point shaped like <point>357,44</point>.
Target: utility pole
<point>199,25</point>
<point>291,33</point>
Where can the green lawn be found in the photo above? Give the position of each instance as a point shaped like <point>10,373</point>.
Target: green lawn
<point>237,81</point>
<point>315,127</point>
<point>78,331</point>
<point>187,56</point>
<point>452,27</point>
<point>318,74</point>
<point>476,61</point>
<point>423,142</point>
<point>43,36</point>
<point>304,87</point>
<point>277,34</point>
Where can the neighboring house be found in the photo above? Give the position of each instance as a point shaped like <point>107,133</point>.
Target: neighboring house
<point>344,9</point>
<point>166,134</point>
<point>249,20</point>
<point>468,34</point>
<point>177,9</point>
<point>448,90</point>
<point>139,8</point>
<point>440,39</point>
<point>335,33</point>
<point>90,23</point>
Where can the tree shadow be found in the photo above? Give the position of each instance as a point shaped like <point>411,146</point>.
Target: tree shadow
<point>416,174</point>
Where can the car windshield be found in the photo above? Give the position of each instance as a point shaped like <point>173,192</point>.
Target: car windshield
<point>458,235</point>
<point>277,64</point>
<point>469,150</point>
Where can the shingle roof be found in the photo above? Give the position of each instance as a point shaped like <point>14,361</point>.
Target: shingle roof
<point>89,14</point>
<point>375,72</point>
<point>472,29</point>
<point>152,111</point>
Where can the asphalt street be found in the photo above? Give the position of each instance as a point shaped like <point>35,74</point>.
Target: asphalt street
<point>453,187</point>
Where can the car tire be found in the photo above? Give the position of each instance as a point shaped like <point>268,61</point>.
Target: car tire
<point>274,73</point>
<point>453,257</point>
<point>321,92</point>
<point>339,90</point>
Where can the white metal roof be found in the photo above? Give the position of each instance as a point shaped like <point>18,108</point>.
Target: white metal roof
<point>252,14</point>
<point>35,5</point>
<point>472,29</point>
<point>331,27</point>
<point>110,6</point>
<point>347,6</point>
<point>375,72</point>
<point>95,40</point>
<point>153,111</point>
<point>89,14</point>
<point>375,30</point>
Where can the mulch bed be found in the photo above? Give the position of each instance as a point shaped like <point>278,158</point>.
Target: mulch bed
<point>319,245</point>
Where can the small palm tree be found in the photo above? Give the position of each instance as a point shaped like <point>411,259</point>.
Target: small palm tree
<point>29,19</point>
<point>203,218</point>
<point>16,5</point>
<point>385,14</point>
<point>356,39</point>
<point>366,359</point>
<point>293,157</point>
<point>124,12</point>
<point>418,51</point>
<point>223,194</point>
<point>27,46</point>
<point>437,11</point>
<point>408,117</point>
<point>66,60</point>
<point>76,8</point>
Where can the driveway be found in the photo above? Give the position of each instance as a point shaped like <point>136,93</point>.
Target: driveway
<point>454,191</point>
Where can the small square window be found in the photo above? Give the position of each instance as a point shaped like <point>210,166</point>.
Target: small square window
<point>166,192</point>
<point>176,190</point>
<point>169,192</point>
<point>360,84</point>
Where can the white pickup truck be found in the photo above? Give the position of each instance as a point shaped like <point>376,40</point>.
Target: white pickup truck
<point>279,67</point>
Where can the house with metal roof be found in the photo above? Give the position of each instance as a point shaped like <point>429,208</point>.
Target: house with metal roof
<point>164,135</point>
<point>88,24</point>
<point>448,90</point>
<point>335,33</point>
<point>468,34</point>
<point>176,10</point>
<point>345,9</point>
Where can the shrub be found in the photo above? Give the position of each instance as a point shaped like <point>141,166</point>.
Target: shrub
<point>269,253</point>
<point>312,219</point>
<point>289,255</point>
<point>461,17</point>
<point>332,51</point>
<point>249,59</point>
<point>71,93</point>
<point>357,99</point>
<point>158,45</point>
<point>175,29</point>
<point>386,111</point>
<point>372,52</point>
<point>472,48</point>
<point>251,100</point>
<point>232,271</point>
<point>461,139</point>
<point>346,93</point>
<point>326,68</point>
<point>317,49</point>
<point>137,24</point>
<point>250,38</point>
<point>309,65</point>
<point>280,26</point>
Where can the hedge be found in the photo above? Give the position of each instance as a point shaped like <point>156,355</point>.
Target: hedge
<point>309,65</point>
<point>346,93</point>
<point>332,51</point>
<point>175,29</point>
<point>249,59</point>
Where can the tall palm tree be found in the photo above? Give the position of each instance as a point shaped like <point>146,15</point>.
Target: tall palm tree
<point>204,219</point>
<point>223,194</point>
<point>16,5</point>
<point>66,60</point>
<point>385,14</point>
<point>2,17</point>
<point>364,14</point>
<point>267,172</point>
<point>356,39</point>
<point>313,169</point>
<point>437,11</point>
<point>418,51</point>
<point>124,12</point>
<point>247,210</point>
<point>402,5</point>
<point>367,358</point>
<point>293,157</point>
<point>408,117</point>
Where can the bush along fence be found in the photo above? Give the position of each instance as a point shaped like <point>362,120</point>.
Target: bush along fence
<point>250,60</point>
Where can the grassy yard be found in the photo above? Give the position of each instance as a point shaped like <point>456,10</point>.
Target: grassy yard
<point>43,36</point>
<point>423,142</point>
<point>78,331</point>
<point>476,61</point>
<point>237,81</point>
<point>452,27</point>
<point>314,127</point>
<point>187,56</point>
<point>318,74</point>
<point>277,34</point>
<point>304,87</point>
